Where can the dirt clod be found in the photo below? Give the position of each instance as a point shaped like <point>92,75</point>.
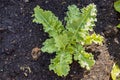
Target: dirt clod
<point>35,53</point>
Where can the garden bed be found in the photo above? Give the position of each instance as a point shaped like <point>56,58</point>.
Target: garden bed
<point>19,35</point>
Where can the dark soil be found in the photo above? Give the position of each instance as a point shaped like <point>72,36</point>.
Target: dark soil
<point>18,36</point>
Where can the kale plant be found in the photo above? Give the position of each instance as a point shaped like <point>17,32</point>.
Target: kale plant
<point>68,41</point>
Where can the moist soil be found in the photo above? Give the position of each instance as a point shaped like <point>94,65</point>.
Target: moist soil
<point>19,36</point>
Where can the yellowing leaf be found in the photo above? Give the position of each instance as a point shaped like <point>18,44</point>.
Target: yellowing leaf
<point>115,71</point>
<point>93,38</point>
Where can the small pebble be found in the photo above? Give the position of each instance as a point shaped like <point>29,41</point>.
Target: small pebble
<point>1,70</point>
<point>46,2</point>
<point>116,40</point>
<point>26,1</point>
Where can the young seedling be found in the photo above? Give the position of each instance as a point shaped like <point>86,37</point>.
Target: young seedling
<point>117,8</point>
<point>68,41</point>
<point>115,73</point>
